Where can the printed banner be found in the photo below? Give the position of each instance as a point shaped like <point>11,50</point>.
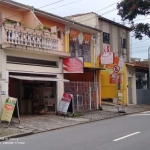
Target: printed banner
<point>64,104</point>
<point>114,78</point>
<point>8,109</point>
<point>49,98</point>
<point>80,45</point>
<point>120,97</point>
<point>107,57</point>
<point>73,65</point>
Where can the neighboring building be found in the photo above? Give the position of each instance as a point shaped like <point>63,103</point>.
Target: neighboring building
<point>33,45</point>
<point>138,82</point>
<point>117,38</point>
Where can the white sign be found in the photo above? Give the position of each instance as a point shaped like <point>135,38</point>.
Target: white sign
<point>116,69</point>
<point>64,104</point>
<point>107,57</point>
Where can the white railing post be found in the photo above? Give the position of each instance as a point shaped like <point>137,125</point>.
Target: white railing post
<point>31,39</point>
<point>97,97</point>
<point>77,98</point>
<point>90,98</point>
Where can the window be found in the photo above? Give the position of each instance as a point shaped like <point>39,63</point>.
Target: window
<point>106,38</point>
<point>123,42</point>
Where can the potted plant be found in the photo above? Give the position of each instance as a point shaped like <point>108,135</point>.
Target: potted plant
<point>41,108</point>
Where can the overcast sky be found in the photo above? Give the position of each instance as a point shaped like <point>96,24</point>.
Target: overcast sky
<point>106,8</point>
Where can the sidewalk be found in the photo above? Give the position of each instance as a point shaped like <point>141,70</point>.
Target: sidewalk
<point>37,124</point>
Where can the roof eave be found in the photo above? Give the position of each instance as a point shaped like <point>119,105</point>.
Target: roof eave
<point>64,20</point>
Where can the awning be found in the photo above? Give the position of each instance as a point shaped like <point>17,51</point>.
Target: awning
<point>37,78</point>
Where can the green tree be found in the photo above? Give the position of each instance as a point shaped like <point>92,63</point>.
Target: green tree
<point>130,10</point>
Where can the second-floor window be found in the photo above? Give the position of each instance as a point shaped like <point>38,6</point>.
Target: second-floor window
<point>106,38</point>
<point>123,42</point>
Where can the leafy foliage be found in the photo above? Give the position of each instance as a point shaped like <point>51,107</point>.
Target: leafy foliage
<point>129,10</point>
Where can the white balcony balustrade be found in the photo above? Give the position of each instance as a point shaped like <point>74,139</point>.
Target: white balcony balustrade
<point>33,38</point>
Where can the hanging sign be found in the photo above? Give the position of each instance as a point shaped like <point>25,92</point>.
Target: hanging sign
<point>114,78</point>
<point>107,57</point>
<point>8,109</point>
<point>116,69</point>
<point>73,65</point>
<point>64,103</point>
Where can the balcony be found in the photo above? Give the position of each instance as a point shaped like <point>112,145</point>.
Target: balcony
<point>31,39</point>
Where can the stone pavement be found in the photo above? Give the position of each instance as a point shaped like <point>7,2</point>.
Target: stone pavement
<point>47,122</point>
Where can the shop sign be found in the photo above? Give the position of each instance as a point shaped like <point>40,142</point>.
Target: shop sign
<point>73,65</point>
<point>64,103</point>
<point>8,109</point>
<point>114,78</point>
<point>107,57</point>
<point>117,67</point>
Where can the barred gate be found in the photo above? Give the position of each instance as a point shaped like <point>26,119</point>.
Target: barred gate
<point>85,94</point>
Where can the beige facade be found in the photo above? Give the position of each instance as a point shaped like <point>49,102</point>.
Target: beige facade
<point>117,37</point>
<point>115,30</point>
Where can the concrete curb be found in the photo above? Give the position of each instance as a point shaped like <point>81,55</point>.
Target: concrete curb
<point>15,135</point>
<point>120,115</point>
<point>90,121</point>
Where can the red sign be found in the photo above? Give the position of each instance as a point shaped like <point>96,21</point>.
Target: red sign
<point>73,65</point>
<point>107,57</point>
<point>116,69</point>
<point>114,78</point>
<point>64,103</point>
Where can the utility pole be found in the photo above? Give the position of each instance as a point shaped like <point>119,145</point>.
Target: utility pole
<point>149,66</point>
<point>122,75</point>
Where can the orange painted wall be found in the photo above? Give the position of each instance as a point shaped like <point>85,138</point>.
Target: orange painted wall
<point>10,13</point>
<point>52,23</point>
<point>29,20</point>
<point>87,76</point>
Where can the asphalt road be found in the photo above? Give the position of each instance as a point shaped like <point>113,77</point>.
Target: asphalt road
<point>123,133</point>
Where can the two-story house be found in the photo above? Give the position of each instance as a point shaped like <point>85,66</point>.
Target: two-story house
<point>117,38</point>
<point>33,45</point>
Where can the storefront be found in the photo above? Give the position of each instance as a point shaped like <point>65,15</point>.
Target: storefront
<point>33,91</point>
<point>33,78</point>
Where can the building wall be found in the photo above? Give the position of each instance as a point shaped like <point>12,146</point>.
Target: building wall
<point>131,73</point>
<point>29,68</point>
<point>10,13</point>
<point>82,77</point>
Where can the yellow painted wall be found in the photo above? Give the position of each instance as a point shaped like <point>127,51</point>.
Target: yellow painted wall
<point>109,90</point>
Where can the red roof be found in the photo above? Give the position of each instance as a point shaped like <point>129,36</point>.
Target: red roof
<point>143,64</point>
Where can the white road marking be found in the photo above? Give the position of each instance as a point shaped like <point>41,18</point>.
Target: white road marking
<point>145,112</point>
<point>139,115</point>
<point>126,136</point>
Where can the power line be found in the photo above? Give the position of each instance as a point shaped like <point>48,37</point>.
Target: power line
<point>51,4</point>
<point>18,14</point>
<point>63,5</point>
<point>140,41</point>
<point>102,8</point>
<point>140,51</point>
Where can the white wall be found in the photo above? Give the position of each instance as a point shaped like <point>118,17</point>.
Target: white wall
<point>131,73</point>
<point>28,68</point>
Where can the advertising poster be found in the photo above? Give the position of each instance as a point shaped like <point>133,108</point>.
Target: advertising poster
<point>8,109</point>
<point>114,78</point>
<point>120,97</point>
<point>73,65</point>
<point>115,69</point>
<point>107,57</point>
<point>80,45</point>
<point>48,96</point>
<point>64,104</point>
